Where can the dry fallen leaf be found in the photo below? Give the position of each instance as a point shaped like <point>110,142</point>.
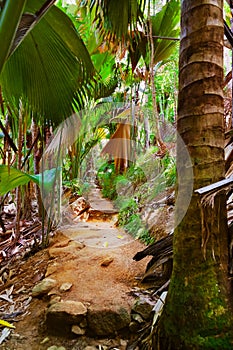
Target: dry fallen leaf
<point>106,261</point>
<point>6,324</point>
<point>120,236</point>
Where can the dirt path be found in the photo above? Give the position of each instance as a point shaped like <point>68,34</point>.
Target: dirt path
<point>92,269</point>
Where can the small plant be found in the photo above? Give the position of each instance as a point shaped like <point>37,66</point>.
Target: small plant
<point>129,218</point>
<point>139,184</point>
<point>76,186</point>
<point>169,165</point>
<point>106,176</point>
<point>136,175</point>
<point>128,207</point>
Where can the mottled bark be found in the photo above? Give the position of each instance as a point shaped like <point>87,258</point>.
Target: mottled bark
<point>198,313</point>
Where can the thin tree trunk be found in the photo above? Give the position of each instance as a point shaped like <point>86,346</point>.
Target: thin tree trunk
<point>18,190</point>
<point>37,153</point>
<point>6,144</point>
<point>231,9</point>
<point>147,132</point>
<point>29,188</point>
<point>159,140</point>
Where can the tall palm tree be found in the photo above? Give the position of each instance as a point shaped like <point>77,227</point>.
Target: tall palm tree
<point>198,312</point>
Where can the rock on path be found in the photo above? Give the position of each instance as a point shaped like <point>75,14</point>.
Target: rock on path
<point>95,259</point>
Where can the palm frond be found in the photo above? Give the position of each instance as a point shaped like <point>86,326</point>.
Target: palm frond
<point>165,24</point>
<point>28,22</point>
<point>165,32</point>
<point>86,122</point>
<point>65,135</point>
<point>105,89</point>
<point>115,19</point>
<point>51,67</point>
<point>10,13</point>
<point>106,81</point>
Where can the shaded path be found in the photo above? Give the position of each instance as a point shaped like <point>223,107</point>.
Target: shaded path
<point>95,257</point>
<point>100,230</point>
<point>88,275</point>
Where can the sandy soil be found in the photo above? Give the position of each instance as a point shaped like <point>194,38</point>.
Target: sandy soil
<point>95,257</point>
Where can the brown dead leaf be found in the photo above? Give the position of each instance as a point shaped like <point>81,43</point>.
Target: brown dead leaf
<point>107,261</point>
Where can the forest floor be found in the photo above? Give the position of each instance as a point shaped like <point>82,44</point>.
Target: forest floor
<point>91,263</point>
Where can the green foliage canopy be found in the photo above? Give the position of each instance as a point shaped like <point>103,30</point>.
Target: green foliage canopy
<point>50,69</point>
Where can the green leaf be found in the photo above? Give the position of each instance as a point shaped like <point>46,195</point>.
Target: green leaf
<point>115,19</point>
<point>165,24</point>
<point>50,68</point>
<point>11,13</point>
<point>46,179</point>
<point>10,178</point>
<point>106,81</point>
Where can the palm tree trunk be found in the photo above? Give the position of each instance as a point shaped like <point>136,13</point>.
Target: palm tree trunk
<point>198,310</point>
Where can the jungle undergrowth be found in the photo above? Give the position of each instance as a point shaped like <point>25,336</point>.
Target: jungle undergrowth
<point>131,190</point>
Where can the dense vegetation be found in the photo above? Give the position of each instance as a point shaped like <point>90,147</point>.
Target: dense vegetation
<point>119,75</point>
<point>89,93</point>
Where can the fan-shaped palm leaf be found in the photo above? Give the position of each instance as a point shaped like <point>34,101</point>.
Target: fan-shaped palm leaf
<point>105,66</point>
<point>115,19</point>
<point>51,67</point>
<point>165,25</point>
<point>28,22</point>
<point>165,32</point>
<point>79,124</point>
